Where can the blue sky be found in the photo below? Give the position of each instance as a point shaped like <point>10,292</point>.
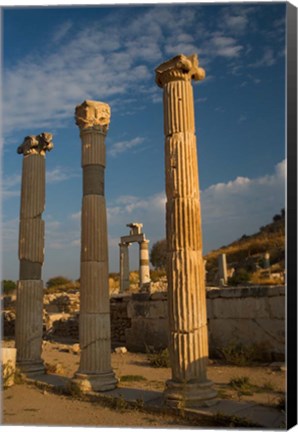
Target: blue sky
<point>56,57</point>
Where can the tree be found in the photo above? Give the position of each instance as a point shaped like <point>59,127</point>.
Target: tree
<point>56,281</point>
<point>158,254</point>
<point>8,286</point>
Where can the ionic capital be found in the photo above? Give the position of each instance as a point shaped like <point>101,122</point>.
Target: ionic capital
<point>93,114</point>
<point>179,68</point>
<point>36,144</point>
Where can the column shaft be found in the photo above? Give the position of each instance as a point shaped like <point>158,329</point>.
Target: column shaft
<point>95,371</point>
<point>124,267</point>
<point>185,270</point>
<point>144,269</point>
<point>29,307</point>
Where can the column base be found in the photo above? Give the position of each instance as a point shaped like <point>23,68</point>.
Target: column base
<point>95,382</point>
<point>31,369</point>
<point>195,394</point>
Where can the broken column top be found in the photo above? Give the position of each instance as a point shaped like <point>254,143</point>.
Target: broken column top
<point>180,67</point>
<point>36,144</point>
<point>93,114</point>
<point>136,228</point>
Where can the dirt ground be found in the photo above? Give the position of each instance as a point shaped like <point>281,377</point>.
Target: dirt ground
<point>27,405</point>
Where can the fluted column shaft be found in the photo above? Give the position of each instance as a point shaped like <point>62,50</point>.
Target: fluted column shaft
<point>124,267</point>
<point>95,372</point>
<point>185,270</point>
<point>29,307</point>
<point>144,269</point>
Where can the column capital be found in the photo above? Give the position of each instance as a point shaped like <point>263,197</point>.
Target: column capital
<point>36,144</point>
<point>179,68</point>
<point>93,114</point>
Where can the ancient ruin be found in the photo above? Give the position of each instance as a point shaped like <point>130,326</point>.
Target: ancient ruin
<point>222,270</point>
<point>95,371</point>
<point>135,235</point>
<point>188,343</point>
<point>29,308</point>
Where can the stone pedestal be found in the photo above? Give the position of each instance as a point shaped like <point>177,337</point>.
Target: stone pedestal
<point>95,371</point>
<point>124,267</point>
<point>29,306</point>
<point>188,346</point>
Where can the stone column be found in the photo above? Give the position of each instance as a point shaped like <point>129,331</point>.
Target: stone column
<point>144,270</point>
<point>222,269</point>
<point>29,307</point>
<point>188,343</point>
<point>95,372</point>
<point>124,267</point>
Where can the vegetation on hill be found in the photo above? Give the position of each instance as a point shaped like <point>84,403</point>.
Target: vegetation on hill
<point>247,254</point>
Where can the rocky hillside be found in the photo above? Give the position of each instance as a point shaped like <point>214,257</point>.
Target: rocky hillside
<point>247,255</point>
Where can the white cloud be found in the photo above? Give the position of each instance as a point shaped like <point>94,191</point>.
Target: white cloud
<point>241,206</point>
<point>59,174</point>
<point>268,59</point>
<point>122,146</point>
<point>10,186</point>
<point>62,31</point>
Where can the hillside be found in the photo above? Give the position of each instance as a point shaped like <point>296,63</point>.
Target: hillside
<point>246,255</point>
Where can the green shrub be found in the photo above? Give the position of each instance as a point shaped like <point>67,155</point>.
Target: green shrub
<point>8,286</point>
<point>159,359</point>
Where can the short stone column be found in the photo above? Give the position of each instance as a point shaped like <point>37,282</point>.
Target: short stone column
<point>95,372</point>
<point>29,305</point>
<point>124,267</point>
<point>144,269</point>
<point>188,343</point>
<point>222,269</point>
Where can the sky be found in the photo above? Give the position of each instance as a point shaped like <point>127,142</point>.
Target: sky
<point>54,58</point>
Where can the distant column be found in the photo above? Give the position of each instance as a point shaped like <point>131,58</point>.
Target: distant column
<point>185,270</point>
<point>144,269</point>
<point>222,269</point>
<point>95,372</point>
<point>124,267</point>
<point>29,307</point>
<point>267,260</point>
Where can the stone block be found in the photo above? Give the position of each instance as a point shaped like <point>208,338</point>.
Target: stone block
<point>147,332</point>
<point>277,307</point>
<point>209,304</point>
<point>94,287</point>
<point>93,148</point>
<point>31,240</point>
<point>213,293</point>
<point>149,309</point>
<point>29,322</point>
<point>94,245</point>
<point>266,335</point>
<point>159,296</point>
<point>242,308</point>
<point>33,186</point>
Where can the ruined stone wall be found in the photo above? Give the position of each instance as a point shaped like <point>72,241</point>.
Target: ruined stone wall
<point>253,317</point>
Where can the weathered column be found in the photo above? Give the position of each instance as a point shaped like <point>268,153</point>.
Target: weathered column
<point>144,270</point>
<point>95,372</point>
<point>124,267</point>
<point>222,269</point>
<point>29,307</point>
<point>188,344</point>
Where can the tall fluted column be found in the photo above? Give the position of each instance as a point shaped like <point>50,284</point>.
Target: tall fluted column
<point>95,371</point>
<point>29,307</point>
<point>188,344</point>
<point>124,267</point>
<point>144,269</point>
